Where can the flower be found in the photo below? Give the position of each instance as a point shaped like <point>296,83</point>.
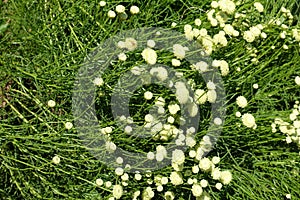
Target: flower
<point>203,32</point>
<point>179,51</point>
<point>160,188</point>
<point>249,36</point>
<point>110,146</point>
<point>218,121</point>
<point>197,190</point>
<point>255,31</point>
<point>176,178</point>
<point>68,125</point>
<point>214,22</point>
<point>204,183</point>
<point>195,169</point>
<point>192,153</point>
<point>296,34</point>
<point>182,93</point>
<point>56,159</point>
<point>130,44</point>
<point>200,96</point>
<point>297,80</point>
<point>128,129</point>
<point>171,120</point>
<point>164,180</point>
<point>125,177</point>
<point>219,186</point>
<point>190,181</point>
<point>214,4</point>
<point>220,39</point>
<point>215,160</point>
<point>228,28</point>
<point>283,35</point>
<point>117,191</point>
<point>248,120</point>
<point>148,95</point>
<point>205,164</point>
<point>102,3</point>
<point>173,108</point>
<point>241,101</point>
<point>150,155</point>
<point>149,55</point>
<point>169,195</point>
<point>190,141</point>
<point>108,184</point>
<point>216,173</point>
<point>149,118</point>
<point>159,156</point>
<point>121,44</point>
<point>176,62</point>
<point>51,103</point>
<point>259,7</point>
<point>255,86</point>
<point>210,85</point>
<point>160,72</point>
<point>122,56</point>
<point>226,177</point>
<point>197,22</point>
<point>148,193</point>
<point>137,176</point>
<point>288,139</point>
<point>98,81</point>
<point>119,171</point>
<point>120,8</point>
<point>200,66</point>
<point>108,129</point>
<point>224,67</point>
<point>211,96</point>
<point>188,28</point>
<point>178,157</point>
<point>119,160</point>
<point>134,10</point>
<point>111,14</point>
<point>227,6</point>
<point>99,181</point>
<point>151,43</point>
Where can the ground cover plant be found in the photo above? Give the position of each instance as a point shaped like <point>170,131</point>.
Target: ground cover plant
<point>203,94</point>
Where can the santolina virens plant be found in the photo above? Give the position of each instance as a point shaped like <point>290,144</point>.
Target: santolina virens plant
<point>222,25</point>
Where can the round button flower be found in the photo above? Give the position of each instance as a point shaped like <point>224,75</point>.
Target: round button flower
<point>259,7</point>
<point>149,55</point>
<point>68,125</point>
<point>102,3</point>
<point>248,120</point>
<point>111,14</point>
<point>56,159</point>
<point>197,190</point>
<point>148,95</point>
<point>241,101</point>
<point>134,10</point>
<point>120,8</point>
<point>117,191</point>
<point>297,80</point>
<point>51,103</point>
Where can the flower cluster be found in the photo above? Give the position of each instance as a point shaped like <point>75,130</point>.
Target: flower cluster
<point>189,169</point>
<point>196,179</point>
<point>120,10</point>
<point>290,129</point>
